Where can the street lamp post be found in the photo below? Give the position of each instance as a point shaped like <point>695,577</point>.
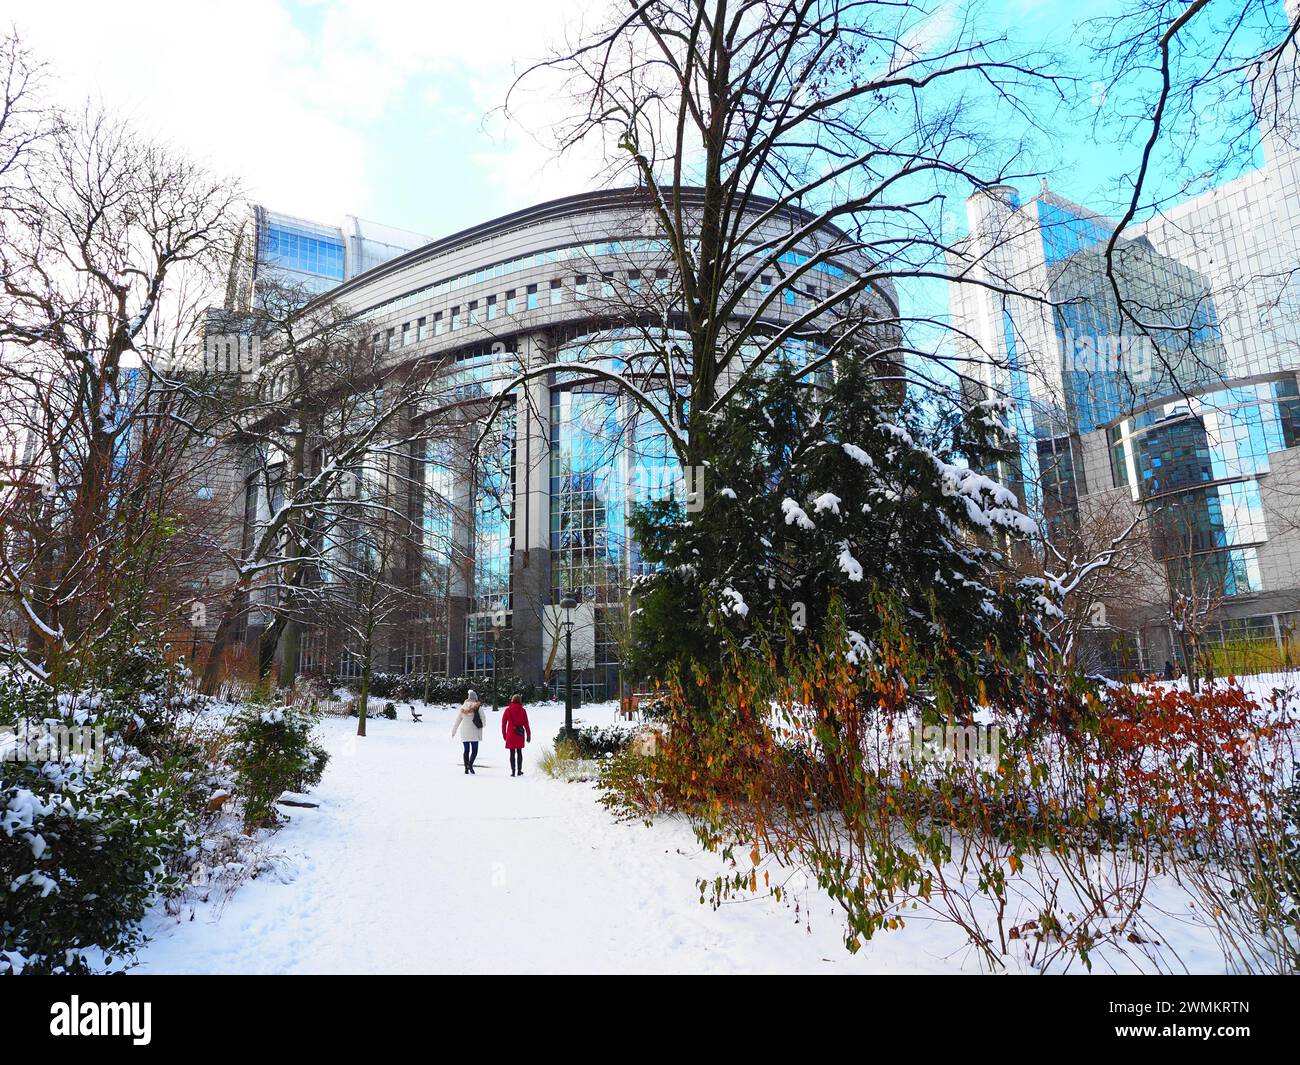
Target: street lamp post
<point>567,604</point>
<point>428,656</point>
<point>496,635</point>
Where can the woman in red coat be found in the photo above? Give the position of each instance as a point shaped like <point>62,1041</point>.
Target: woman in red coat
<point>516,730</point>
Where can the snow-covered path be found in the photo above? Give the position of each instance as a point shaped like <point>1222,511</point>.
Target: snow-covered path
<point>410,866</point>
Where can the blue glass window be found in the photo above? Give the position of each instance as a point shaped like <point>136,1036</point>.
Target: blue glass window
<point>1226,573</point>
<point>298,249</point>
<point>1207,519</point>
<point>1066,233</point>
<point>493,525</point>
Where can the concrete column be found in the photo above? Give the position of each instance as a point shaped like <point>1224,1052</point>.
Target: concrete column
<point>531,564</point>
<point>462,570</point>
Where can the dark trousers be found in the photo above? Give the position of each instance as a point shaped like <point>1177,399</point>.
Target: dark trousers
<point>516,760</point>
<point>471,752</point>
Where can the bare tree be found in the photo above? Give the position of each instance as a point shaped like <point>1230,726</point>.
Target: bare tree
<point>1226,73</point>
<point>323,409</point>
<point>1196,582</point>
<point>794,157</point>
<point>368,587</point>
<point>106,242</point>
<point>24,120</point>
<point>1087,570</point>
<point>1198,121</point>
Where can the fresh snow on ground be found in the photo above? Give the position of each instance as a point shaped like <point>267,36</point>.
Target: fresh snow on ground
<point>410,866</point>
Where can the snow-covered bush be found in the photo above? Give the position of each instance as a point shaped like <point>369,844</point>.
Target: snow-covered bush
<point>595,741</point>
<point>81,854</point>
<point>566,761</point>
<point>88,836</point>
<point>273,751</point>
<point>577,755</point>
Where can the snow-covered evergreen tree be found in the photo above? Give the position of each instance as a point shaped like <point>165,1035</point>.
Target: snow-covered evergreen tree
<point>826,490</point>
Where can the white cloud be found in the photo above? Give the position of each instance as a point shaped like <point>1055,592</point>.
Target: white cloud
<point>290,105</point>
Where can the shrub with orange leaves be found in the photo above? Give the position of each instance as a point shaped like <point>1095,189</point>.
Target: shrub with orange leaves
<point>808,758</point>
<point>1213,774</point>
<point>1190,764</point>
<point>799,759</point>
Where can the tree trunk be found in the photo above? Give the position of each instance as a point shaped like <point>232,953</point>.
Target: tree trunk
<point>220,641</point>
<point>1189,660</point>
<point>266,645</point>
<point>362,699</point>
<point>289,656</point>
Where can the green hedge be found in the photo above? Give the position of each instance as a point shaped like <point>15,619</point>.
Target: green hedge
<point>595,741</point>
<point>410,687</point>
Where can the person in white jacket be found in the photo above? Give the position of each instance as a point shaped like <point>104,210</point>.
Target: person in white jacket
<point>464,727</point>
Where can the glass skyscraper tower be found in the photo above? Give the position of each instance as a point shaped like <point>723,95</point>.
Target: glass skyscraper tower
<point>1184,407</point>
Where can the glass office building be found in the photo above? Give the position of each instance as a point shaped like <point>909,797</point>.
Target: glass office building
<point>1191,418</point>
<point>527,496</point>
<point>302,252</point>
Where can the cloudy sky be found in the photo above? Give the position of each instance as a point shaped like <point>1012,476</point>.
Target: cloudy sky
<point>387,108</point>
<point>378,108</point>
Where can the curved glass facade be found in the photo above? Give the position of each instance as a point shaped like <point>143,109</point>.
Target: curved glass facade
<point>538,508</point>
<point>604,455</point>
<point>1195,463</point>
<point>607,455</point>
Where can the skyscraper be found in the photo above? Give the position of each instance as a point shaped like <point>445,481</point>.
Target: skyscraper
<point>1180,404</point>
